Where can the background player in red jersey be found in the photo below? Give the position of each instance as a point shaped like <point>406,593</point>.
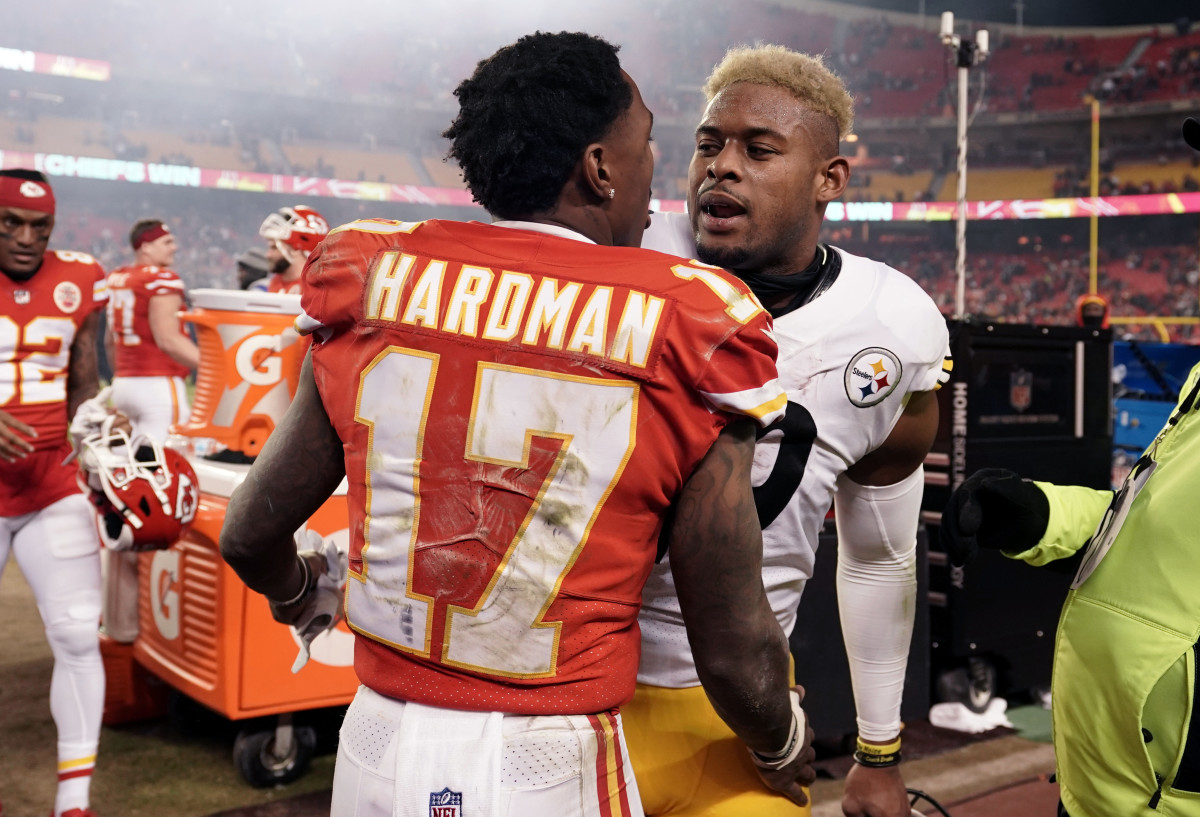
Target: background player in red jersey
<point>292,234</point>
<point>516,407</point>
<point>151,355</point>
<point>151,352</point>
<point>49,322</point>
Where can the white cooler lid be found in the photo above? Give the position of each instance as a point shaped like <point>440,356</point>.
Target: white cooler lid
<point>237,300</point>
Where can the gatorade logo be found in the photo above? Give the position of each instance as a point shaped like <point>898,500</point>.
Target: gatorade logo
<point>164,593</point>
<point>257,360</point>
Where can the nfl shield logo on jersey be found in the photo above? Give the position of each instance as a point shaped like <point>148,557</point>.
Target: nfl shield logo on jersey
<point>1020,389</point>
<point>21,296</point>
<point>445,803</point>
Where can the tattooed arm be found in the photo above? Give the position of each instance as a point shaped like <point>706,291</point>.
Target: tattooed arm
<point>110,350</point>
<point>298,468</point>
<point>741,653</point>
<point>83,372</point>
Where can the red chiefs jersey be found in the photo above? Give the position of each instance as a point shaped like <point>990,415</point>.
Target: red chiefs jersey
<point>130,290</point>
<point>39,319</point>
<point>519,410</point>
<point>275,283</point>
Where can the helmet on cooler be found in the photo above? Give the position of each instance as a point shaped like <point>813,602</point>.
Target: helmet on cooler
<point>294,229</point>
<point>146,495</point>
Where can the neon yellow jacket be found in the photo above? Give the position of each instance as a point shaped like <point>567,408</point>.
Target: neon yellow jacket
<point>1126,736</point>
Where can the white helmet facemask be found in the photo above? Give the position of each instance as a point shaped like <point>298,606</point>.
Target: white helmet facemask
<point>111,459</point>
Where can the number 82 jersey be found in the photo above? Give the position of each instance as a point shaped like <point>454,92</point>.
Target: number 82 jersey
<point>39,318</point>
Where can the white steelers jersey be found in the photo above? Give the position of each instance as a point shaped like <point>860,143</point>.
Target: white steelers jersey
<point>847,360</point>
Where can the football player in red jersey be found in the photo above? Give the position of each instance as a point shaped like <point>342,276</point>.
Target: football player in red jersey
<point>49,323</point>
<point>292,234</point>
<point>151,352</point>
<point>151,355</point>
<point>516,407</point>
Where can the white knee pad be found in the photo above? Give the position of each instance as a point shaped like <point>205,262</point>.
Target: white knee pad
<point>67,529</point>
<point>75,634</point>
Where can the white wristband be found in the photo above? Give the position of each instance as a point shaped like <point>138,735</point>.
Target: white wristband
<point>304,588</point>
<point>795,742</point>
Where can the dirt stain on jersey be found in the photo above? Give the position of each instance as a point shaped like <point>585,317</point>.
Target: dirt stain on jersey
<point>574,469</point>
<point>558,514</point>
<point>403,521</point>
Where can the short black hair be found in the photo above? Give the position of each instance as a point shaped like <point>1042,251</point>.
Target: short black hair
<point>25,175</point>
<point>142,226</point>
<point>527,114</point>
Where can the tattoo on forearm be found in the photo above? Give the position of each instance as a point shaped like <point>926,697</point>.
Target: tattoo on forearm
<point>716,512</point>
<point>83,372</point>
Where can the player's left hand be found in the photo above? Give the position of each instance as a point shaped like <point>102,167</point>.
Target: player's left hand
<point>121,422</point>
<point>875,792</point>
<point>96,416</point>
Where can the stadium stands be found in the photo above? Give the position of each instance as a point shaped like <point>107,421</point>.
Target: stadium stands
<point>53,134</point>
<point>1002,183</point>
<point>339,162</point>
<point>350,99</point>
<point>443,173</point>
<point>885,185</point>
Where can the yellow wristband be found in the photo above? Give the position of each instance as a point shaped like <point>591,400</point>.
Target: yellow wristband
<point>875,749</point>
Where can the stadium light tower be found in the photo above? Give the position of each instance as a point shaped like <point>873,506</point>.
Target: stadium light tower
<point>966,54</point>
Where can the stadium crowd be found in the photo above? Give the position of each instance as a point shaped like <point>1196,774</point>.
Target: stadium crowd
<point>1031,278</point>
<point>896,68</point>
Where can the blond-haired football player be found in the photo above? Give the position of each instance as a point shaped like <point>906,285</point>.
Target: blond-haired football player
<point>861,349</point>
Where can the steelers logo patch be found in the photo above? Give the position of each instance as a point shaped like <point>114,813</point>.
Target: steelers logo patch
<point>67,296</point>
<point>872,375</point>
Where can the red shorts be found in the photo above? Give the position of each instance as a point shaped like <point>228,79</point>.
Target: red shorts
<point>36,481</point>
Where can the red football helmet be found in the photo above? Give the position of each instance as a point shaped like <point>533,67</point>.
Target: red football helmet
<point>146,495</point>
<point>298,228</point>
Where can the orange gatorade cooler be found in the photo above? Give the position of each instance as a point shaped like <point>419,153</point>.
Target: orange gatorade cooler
<point>208,636</point>
<point>250,358</point>
<point>201,630</point>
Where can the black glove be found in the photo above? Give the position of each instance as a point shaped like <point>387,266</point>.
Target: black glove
<point>993,508</point>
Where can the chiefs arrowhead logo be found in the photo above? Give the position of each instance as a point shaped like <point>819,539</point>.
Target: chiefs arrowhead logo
<point>67,296</point>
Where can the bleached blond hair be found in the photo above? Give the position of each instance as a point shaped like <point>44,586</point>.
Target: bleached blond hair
<point>804,76</point>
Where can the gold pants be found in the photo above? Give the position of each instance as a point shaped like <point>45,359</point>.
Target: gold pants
<point>688,763</point>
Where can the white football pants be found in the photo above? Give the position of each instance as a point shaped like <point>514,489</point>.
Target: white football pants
<point>58,551</point>
<point>398,759</point>
<point>152,404</point>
